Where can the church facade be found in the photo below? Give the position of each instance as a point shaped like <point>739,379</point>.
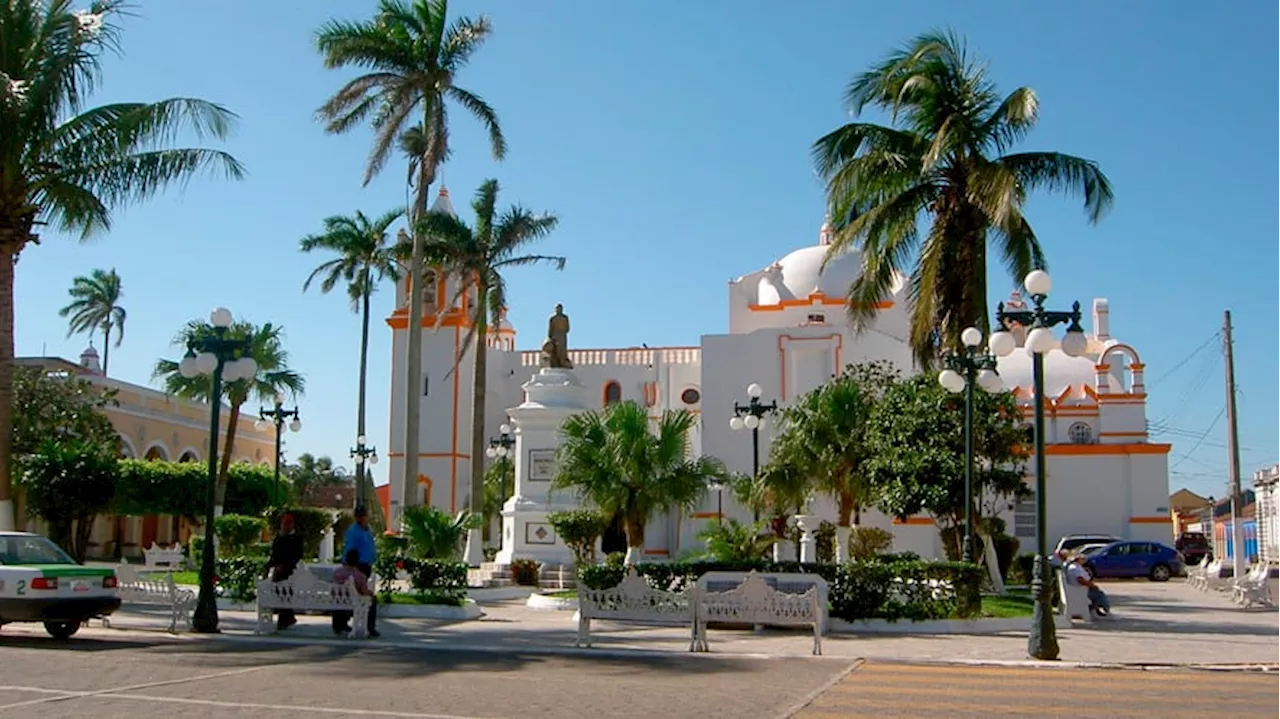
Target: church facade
<point>787,333</point>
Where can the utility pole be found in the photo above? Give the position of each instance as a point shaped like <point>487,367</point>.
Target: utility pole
<point>1233,455</point>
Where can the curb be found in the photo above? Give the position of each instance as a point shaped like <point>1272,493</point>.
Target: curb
<point>1117,666</point>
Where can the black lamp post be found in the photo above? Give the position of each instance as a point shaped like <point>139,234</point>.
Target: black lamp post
<point>221,357</point>
<point>277,415</point>
<point>717,485</point>
<point>751,416</point>
<point>964,370</point>
<point>1042,642</point>
<point>362,453</point>
<point>502,447</point>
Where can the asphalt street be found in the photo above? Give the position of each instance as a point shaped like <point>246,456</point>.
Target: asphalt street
<point>125,678</point>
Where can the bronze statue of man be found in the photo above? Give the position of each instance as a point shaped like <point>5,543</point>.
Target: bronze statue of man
<point>555,352</point>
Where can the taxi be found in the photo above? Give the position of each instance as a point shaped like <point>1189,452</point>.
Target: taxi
<point>40,583</point>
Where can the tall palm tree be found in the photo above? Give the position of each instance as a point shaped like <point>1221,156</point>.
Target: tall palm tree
<point>365,258</point>
<point>946,158</point>
<point>616,461</point>
<point>95,305</point>
<point>479,255</point>
<point>411,57</point>
<point>67,166</point>
<point>274,376</point>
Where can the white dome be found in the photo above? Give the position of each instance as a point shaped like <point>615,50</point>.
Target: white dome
<point>801,273</point>
<point>1060,371</point>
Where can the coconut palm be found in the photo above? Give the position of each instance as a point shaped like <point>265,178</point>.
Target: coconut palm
<point>946,161</point>
<point>824,435</point>
<point>273,377</point>
<point>410,56</point>
<point>364,258</point>
<point>67,166</point>
<point>618,463</point>
<point>95,305</point>
<point>480,255</point>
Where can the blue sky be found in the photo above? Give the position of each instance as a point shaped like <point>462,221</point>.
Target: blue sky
<point>672,140</point>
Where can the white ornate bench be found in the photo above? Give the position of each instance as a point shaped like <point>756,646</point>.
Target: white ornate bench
<point>157,557</point>
<point>304,592</point>
<point>632,600</point>
<point>754,601</point>
<point>1075,598</point>
<point>135,588</point>
<point>1254,587</point>
<point>781,581</point>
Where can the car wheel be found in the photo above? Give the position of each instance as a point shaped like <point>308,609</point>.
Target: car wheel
<point>61,630</point>
<point>1160,573</point>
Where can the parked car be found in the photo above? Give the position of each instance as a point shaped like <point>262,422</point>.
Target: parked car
<point>1075,542</point>
<point>1152,560</point>
<point>40,583</point>
<point>1194,547</point>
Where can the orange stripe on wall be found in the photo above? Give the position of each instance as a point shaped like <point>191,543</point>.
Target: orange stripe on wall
<point>915,520</point>
<point>704,515</point>
<point>1107,449</point>
<point>1150,520</point>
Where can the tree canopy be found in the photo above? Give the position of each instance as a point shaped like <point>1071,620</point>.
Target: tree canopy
<point>60,405</point>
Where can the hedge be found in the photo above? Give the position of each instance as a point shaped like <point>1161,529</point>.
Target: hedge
<point>859,590</point>
<point>181,488</point>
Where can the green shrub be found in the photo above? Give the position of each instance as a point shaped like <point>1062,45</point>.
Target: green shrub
<point>1020,569</point>
<point>256,549</point>
<point>579,529</point>
<point>616,559</point>
<point>826,542</point>
<point>236,532</point>
<point>237,577</point>
<point>731,541</point>
<point>310,524</point>
<point>868,542</point>
<point>436,582</point>
<point>524,572</point>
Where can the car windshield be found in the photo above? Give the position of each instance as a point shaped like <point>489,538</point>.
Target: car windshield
<point>31,550</point>
<point>1094,548</point>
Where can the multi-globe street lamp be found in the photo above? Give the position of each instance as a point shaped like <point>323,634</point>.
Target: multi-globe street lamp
<point>222,358</point>
<point>277,416</point>
<point>501,447</point>
<point>751,416</point>
<point>964,370</point>
<point>362,453</point>
<point>1042,642</point>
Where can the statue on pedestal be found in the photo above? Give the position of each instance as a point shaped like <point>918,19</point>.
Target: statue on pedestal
<point>555,351</point>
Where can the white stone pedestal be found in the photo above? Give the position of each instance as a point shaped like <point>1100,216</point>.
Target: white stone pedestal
<point>808,524</point>
<point>551,397</point>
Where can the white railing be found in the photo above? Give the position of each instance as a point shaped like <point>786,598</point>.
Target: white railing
<point>622,357</point>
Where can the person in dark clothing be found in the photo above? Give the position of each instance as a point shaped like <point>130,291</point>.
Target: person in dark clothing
<point>286,553</point>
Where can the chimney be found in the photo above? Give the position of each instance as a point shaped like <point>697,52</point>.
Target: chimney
<point>1101,319</point>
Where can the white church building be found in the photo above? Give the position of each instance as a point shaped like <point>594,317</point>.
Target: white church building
<point>788,333</point>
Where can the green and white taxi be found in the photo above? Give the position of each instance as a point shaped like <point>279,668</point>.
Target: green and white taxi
<point>40,583</point>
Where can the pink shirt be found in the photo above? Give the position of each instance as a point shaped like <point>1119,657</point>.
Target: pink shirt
<point>342,573</point>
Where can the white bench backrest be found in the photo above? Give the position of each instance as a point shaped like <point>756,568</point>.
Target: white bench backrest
<point>163,556</point>
<point>1075,596</point>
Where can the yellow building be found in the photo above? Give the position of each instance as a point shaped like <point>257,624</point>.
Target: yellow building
<point>154,425</point>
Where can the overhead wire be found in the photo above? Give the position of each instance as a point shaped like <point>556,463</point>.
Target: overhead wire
<point>1201,439</point>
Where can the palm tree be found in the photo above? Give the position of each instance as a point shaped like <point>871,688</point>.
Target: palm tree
<point>67,166</point>
<point>944,159</point>
<point>364,259</point>
<point>411,57</point>
<point>479,255</point>
<point>273,377</point>
<point>824,435</point>
<point>95,305</point>
<point>499,483</point>
<point>617,463</point>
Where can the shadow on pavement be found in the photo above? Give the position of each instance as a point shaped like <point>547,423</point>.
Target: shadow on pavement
<point>75,644</point>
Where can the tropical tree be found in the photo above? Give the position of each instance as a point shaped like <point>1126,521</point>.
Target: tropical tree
<point>618,463</point>
<point>780,490</point>
<point>946,161</point>
<point>824,435</point>
<point>410,56</point>
<point>499,483</point>
<point>433,534</point>
<point>95,305</point>
<point>312,471</point>
<point>266,347</point>
<point>731,541</point>
<point>67,166</point>
<point>364,258</point>
<point>478,256</point>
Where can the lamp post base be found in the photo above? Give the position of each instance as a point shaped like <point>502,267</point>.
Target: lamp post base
<point>204,620</point>
<point>1042,642</point>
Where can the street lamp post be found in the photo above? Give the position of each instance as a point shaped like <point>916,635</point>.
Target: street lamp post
<point>717,485</point>
<point>501,447</point>
<point>751,416</point>
<point>277,415</point>
<point>1042,642</point>
<point>221,357</point>
<point>964,370</point>
<point>362,453</point>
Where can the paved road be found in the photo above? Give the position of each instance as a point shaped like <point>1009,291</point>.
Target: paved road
<point>905,690</point>
<point>103,678</point>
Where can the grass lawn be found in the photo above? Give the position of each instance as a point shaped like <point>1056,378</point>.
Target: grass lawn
<point>562,594</point>
<point>191,578</point>
<point>1008,606</point>
<point>412,599</point>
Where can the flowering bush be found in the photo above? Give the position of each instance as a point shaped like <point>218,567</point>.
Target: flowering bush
<point>524,572</point>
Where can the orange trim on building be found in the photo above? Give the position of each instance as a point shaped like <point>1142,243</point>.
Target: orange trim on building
<point>705,515</point>
<point>1107,449</point>
<point>914,520</point>
<point>1150,520</point>
<point>426,482</point>
<point>1122,434</point>
<point>815,299</point>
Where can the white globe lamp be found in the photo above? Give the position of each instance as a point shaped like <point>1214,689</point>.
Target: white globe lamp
<point>754,390</point>
<point>1074,343</point>
<point>373,459</point>
<point>1038,282</point>
<point>189,367</point>
<point>220,317</point>
<point>206,363</point>
<point>295,425</point>
<point>990,381</point>
<point>491,452</point>
<point>971,337</point>
<point>751,422</point>
<point>504,429</point>
<point>736,423</point>
<point>951,380</point>
<point>1002,343</point>
<point>1040,340</point>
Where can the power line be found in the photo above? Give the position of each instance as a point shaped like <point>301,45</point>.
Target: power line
<point>1199,441</point>
<point>1217,335</point>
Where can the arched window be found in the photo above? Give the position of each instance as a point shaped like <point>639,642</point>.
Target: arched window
<point>1080,433</point>
<point>612,393</point>
<point>188,456</point>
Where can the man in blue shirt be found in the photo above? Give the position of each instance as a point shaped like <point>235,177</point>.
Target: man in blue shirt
<point>359,538</point>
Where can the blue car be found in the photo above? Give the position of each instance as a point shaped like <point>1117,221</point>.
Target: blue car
<point>1129,559</point>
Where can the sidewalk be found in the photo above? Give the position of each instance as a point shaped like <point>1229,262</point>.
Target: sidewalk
<point>1152,624</point>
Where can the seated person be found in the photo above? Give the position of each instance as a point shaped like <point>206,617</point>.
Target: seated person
<point>348,570</point>
<point>1077,574</point>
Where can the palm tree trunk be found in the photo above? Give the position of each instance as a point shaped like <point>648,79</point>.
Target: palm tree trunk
<point>220,490</point>
<point>106,347</point>
<point>413,360</point>
<point>475,540</point>
<point>635,538</point>
<point>8,256</point>
<point>364,370</point>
